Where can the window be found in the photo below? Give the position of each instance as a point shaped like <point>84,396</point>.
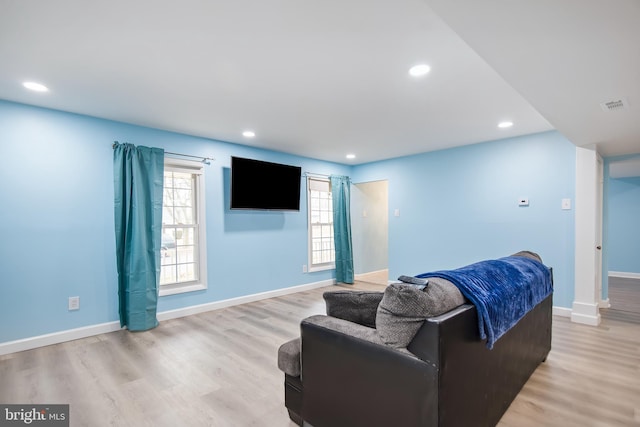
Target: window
<point>320,207</point>
<point>183,249</point>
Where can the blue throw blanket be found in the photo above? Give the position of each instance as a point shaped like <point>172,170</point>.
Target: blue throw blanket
<point>503,291</point>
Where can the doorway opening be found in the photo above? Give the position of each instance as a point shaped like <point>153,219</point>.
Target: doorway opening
<point>370,231</point>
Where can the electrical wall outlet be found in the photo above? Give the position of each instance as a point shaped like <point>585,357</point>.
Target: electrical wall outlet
<point>304,268</point>
<point>74,303</point>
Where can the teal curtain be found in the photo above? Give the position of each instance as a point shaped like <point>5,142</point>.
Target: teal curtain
<point>341,195</point>
<point>138,181</point>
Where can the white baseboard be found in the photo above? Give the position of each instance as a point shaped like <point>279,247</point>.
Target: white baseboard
<point>371,272</point>
<point>216,305</point>
<point>624,275</point>
<point>103,328</point>
<point>604,303</point>
<point>585,313</point>
<point>363,276</point>
<point>561,311</point>
<point>58,337</point>
<point>585,319</point>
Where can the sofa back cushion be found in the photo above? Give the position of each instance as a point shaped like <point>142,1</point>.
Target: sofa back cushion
<point>404,308</point>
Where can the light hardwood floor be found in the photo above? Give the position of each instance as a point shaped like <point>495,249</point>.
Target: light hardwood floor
<point>219,369</point>
<point>380,277</point>
<point>624,294</point>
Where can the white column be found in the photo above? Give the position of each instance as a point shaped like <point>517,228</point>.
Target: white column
<point>585,304</point>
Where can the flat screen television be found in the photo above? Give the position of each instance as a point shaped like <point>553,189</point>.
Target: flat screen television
<point>256,184</point>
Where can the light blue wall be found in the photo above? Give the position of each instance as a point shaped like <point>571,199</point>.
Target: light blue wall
<point>460,206</point>
<point>621,222</point>
<point>56,222</point>
<point>456,206</point>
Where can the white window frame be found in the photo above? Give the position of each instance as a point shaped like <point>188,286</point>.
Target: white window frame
<point>197,169</point>
<point>326,265</point>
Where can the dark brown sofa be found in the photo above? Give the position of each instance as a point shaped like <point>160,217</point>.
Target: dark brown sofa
<point>346,375</point>
<point>343,371</point>
<point>447,377</point>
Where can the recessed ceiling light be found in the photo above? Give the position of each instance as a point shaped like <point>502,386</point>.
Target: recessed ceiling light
<point>36,87</point>
<point>351,156</point>
<point>248,134</point>
<point>505,124</point>
<point>419,70</point>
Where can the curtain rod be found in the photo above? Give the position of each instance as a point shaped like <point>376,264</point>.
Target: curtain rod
<point>204,160</point>
<point>316,174</point>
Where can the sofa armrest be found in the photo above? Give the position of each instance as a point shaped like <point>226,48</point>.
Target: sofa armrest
<point>344,327</point>
<point>355,306</point>
<point>342,360</point>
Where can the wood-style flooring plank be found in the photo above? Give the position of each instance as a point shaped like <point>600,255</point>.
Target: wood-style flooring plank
<point>624,294</point>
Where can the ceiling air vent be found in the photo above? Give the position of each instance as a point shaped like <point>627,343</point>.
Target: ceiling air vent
<point>618,105</point>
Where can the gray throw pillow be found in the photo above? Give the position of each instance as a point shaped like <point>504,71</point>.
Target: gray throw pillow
<point>355,306</point>
<point>404,308</point>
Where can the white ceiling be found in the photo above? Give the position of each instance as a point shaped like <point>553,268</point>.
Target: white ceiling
<point>323,79</point>
<point>565,57</point>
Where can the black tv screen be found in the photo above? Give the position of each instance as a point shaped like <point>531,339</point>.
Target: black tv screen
<point>256,184</point>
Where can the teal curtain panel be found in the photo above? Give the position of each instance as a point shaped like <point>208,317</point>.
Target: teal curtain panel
<point>341,194</point>
<point>138,181</point>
